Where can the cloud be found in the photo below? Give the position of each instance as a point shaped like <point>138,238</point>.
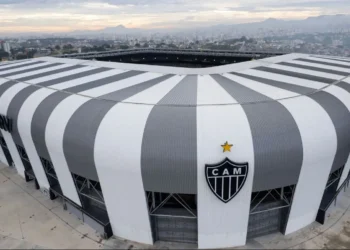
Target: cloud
<point>46,15</point>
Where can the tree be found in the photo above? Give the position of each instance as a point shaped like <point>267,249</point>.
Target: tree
<point>67,46</point>
<point>145,45</point>
<point>85,49</point>
<point>31,53</point>
<point>137,45</point>
<point>57,47</point>
<point>124,46</point>
<point>21,56</point>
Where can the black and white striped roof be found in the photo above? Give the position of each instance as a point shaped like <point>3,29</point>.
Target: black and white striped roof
<point>74,106</point>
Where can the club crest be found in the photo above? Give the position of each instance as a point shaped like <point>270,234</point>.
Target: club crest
<point>226,178</point>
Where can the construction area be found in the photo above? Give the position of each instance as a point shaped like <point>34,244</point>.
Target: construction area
<point>30,220</point>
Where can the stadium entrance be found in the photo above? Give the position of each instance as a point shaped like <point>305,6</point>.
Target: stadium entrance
<point>173,217</point>
<point>269,211</point>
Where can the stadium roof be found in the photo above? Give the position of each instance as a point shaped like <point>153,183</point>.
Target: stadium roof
<point>300,73</point>
<point>277,96</point>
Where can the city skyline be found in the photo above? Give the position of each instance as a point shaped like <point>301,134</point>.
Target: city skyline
<point>63,15</point>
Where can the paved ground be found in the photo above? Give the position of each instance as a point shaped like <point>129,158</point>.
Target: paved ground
<point>30,220</point>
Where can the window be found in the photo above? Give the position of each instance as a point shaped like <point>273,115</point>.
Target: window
<point>90,192</point>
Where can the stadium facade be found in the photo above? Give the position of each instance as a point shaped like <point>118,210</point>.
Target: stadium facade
<point>212,156</point>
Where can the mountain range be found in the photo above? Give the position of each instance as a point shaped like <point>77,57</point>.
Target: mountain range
<point>325,23</point>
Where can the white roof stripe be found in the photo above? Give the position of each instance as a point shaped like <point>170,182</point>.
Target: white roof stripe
<point>114,86</point>
<point>334,57</point>
<point>329,61</point>
<point>59,75</point>
<point>39,71</point>
<point>210,92</point>
<point>16,64</point>
<point>283,58</point>
<point>267,90</point>
<point>61,60</point>
<point>286,79</point>
<point>307,71</point>
<point>318,65</point>
<point>347,80</point>
<point>86,79</point>
<point>24,68</point>
<point>155,93</point>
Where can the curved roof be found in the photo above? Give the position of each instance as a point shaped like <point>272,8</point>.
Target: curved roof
<point>71,101</point>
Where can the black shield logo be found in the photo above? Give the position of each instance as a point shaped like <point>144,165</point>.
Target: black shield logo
<point>226,178</point>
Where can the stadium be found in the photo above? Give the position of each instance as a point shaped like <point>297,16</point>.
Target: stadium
<point>210,148</point>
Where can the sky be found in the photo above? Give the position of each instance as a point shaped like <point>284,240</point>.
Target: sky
<point>69,15</point>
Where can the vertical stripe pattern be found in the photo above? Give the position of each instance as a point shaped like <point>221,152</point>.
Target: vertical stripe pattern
<point>337,111</point>
<point>80,133</point>
<point>276,137</point>
<point>169,161</point>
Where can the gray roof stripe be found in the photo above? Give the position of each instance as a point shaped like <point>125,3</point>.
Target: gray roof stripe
<point>13,62</point>
<point>40,119</point>
<point>330,71</point>
<point>80,133</point>
<point>79,137</point>
<point>125,93</point>
<point>337,111</point>
<point>72,77</point>
<point>333,59</point>
<point>30,70</point>
<point>103,81</point>
<point>21,66</point>
<point>310,60</point>
<point>169,145</point>
<point>52,72</point>
<point>6,85</point>
<point>14,108</point>
<point>295,74</point>
<point>344,85</point>
<point>291,87</point>
<point>278,148</point>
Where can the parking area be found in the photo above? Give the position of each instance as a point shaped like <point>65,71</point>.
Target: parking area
<point>29,219</point>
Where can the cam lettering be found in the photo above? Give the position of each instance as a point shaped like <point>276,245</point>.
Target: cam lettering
<point>5,123</point>
<point>237,171</point>
<point>226,172</point>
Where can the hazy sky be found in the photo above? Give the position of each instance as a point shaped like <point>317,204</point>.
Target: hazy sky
<point>65,15</point>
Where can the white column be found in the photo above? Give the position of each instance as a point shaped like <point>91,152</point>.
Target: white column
<point>5,100</point>
<point>222,224</point>
<point>344,97</point>
<point>25,117</point>
<point>54,141</point>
